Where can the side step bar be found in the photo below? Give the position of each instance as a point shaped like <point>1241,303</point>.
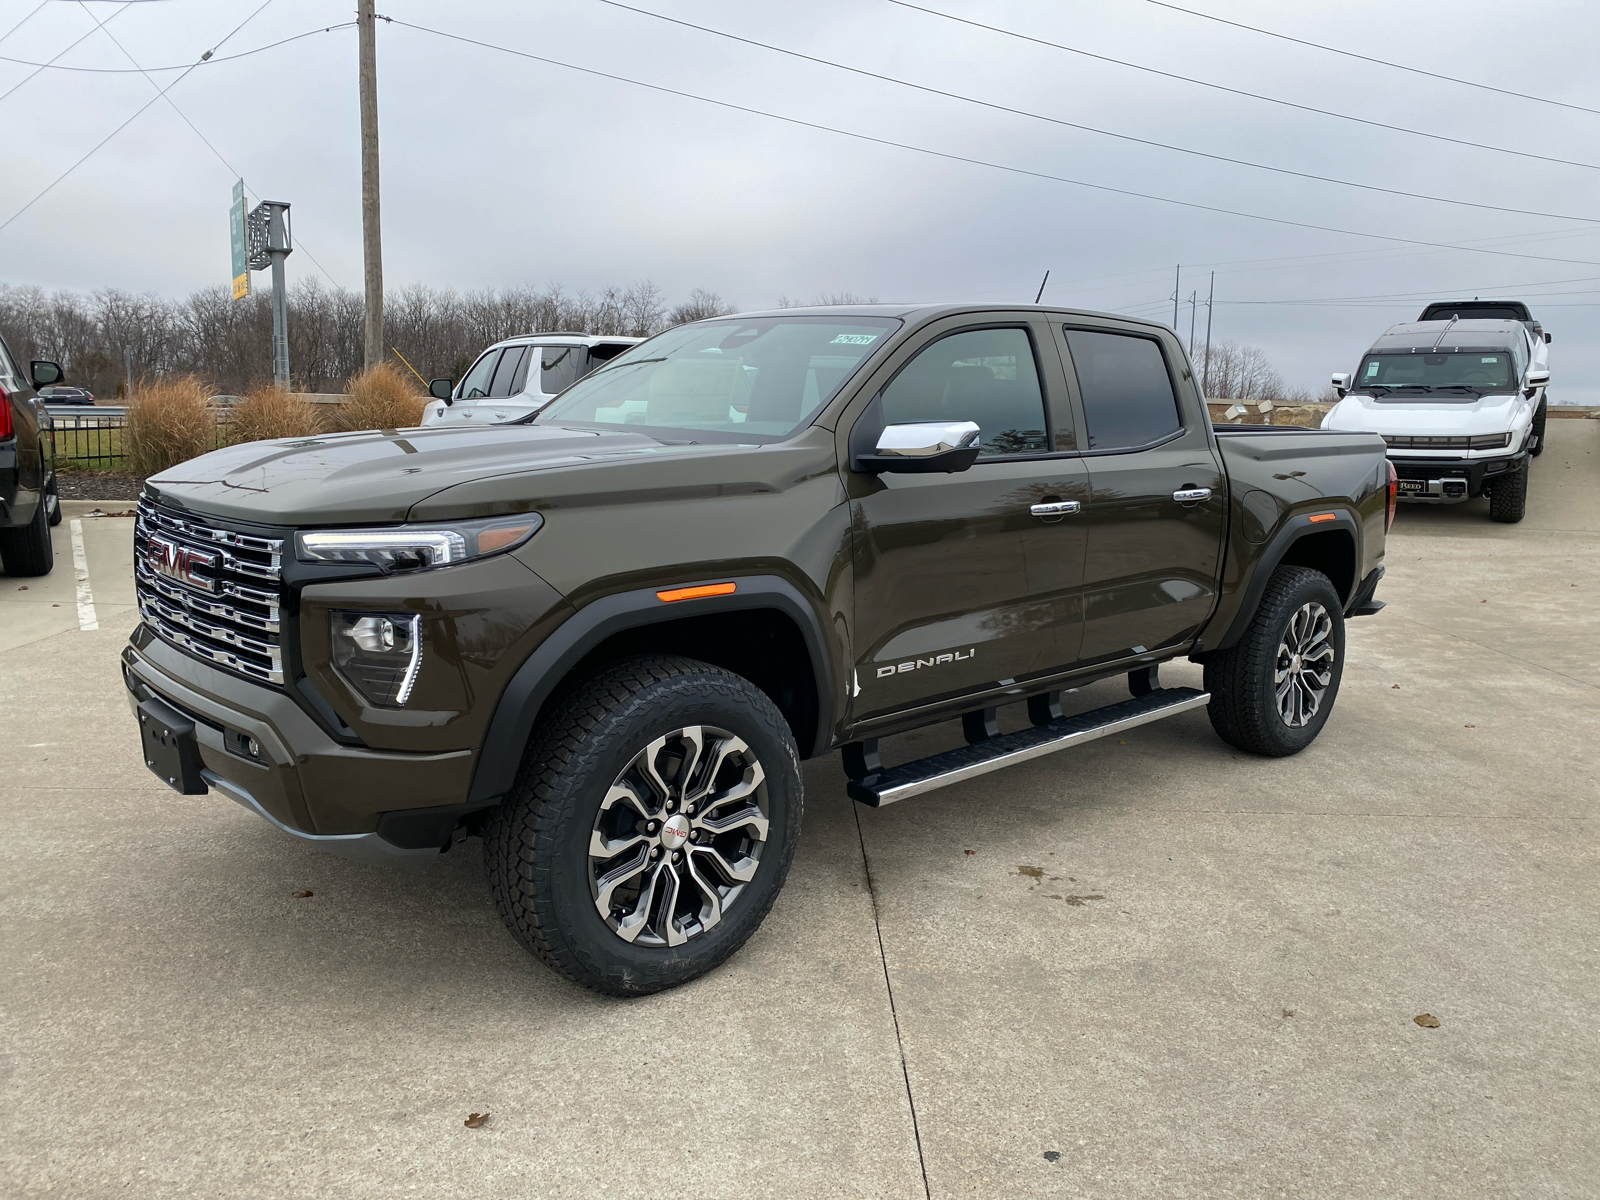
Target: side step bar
<point>875,785</point>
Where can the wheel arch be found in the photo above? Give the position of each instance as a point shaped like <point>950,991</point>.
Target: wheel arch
<point>765,631</point>
<point>1330,543</point>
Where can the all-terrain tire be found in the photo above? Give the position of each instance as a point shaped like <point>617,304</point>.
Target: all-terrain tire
<point>1245,707</point>
<point>1538,426</point>
<point>28,551</point>
<point>1508,497</point>
<point>537,843</point>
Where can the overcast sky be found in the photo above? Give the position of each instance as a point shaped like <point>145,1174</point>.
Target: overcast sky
<point>499,170</point>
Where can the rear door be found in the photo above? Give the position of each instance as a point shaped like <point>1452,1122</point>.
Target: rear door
<point>958,585</point>
<point>1158,504</point>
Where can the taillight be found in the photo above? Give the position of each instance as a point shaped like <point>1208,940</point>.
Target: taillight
<point>1394,497</point>
<point>5,412</point>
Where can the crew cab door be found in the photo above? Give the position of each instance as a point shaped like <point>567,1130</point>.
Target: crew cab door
<point>1158,506</point>
<point>958,585</point>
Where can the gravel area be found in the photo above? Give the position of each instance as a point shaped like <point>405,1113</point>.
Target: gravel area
<point>99,485</point>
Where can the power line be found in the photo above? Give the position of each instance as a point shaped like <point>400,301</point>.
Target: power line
<point>42,66</point>
<point>1382,62</point>
<point>1326,112</point>
<point>173,104</point>
<point>47,187</point>
<point>24,21</point>
<point>949,157</point>
<point>210,62</point>
<point>1020,112</point>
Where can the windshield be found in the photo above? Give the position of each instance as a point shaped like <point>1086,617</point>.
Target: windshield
<point>1463,374</point>
<point>753,379</point>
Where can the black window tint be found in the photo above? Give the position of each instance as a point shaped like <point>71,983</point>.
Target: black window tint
<point>476,383</point>
<point>984,375</point>
<point>510,359</point>
<point>1127,393</point>
<point>561,365</point>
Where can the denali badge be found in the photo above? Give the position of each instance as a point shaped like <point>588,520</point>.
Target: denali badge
<point>178,562</point>
<point>937,660</point>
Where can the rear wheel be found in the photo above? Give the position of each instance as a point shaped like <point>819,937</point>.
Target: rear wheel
<point>651,828</point>
<point>1271,692</point>
<point>28,551</point>
<point>1538,427</point>
<point>1508,497</point>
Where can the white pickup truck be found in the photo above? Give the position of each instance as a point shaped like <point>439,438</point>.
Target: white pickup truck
<point>1460,402</point>
<point>518,376</point>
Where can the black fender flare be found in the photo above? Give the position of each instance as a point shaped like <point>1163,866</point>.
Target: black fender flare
<point>1290,532</point>
<point>519,705</point>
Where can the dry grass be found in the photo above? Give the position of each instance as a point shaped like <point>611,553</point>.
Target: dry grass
<point>381,398</point>
<point>270,412</point>
<point>168,423</point>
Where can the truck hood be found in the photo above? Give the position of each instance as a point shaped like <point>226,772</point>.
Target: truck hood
<point>379,476</point>
<point>1487,414</point>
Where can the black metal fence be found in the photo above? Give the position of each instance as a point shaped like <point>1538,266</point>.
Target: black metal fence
<point>95,439</point>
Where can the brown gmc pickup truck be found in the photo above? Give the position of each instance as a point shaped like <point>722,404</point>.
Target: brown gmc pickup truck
<point>603,638</point>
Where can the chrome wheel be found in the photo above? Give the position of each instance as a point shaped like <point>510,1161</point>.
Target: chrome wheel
<point>1305,664</point>
<point>678,836</point>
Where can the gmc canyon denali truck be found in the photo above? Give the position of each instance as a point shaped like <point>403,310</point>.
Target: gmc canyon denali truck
<point>604,638</point>
<point>29,503</point>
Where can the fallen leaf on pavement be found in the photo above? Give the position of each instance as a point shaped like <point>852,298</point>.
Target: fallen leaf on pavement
<point>969,852</point>
<point>1427,1021</point>
<point>1469,727</point>
<point>479,1120</point>
<point>1288,1012</point>
<point>302,895</point>
<point>1030,872</point>
<point>1396,686</point>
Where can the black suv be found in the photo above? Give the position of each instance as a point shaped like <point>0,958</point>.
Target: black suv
<point>29,504</point>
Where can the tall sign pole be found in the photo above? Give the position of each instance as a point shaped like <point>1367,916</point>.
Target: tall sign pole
<point>371,237</point>
<point>269,245</point>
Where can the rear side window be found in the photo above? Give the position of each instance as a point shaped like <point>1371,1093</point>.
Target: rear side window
<point>562,366</point>
<point>1127,394</point>
<point>983,375</point>
<point>510,361</point>
<point>476,383</point>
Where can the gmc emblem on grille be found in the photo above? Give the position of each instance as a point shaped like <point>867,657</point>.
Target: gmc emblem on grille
<point>179,562</point>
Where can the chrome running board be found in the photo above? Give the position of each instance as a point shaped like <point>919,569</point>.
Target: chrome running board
<point>875,785</point>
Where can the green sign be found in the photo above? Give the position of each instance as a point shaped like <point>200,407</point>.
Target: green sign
<point>241,250</point>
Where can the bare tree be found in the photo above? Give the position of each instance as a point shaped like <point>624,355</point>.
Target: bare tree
<point>700,305</point>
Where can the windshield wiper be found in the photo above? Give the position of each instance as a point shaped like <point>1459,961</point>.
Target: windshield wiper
<point>1462,387</point>
<point>632,362</point>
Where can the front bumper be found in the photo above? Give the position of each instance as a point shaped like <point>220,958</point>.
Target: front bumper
<point>296,761</point>
<point>1453,478</point>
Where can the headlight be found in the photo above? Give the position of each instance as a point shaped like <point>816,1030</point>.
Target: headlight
<point>378,654</point>
<point>1491,441</point>
<point>414,547</point>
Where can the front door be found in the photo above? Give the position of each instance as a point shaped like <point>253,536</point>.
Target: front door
<point>1159,502</point>
<point>959,585</point>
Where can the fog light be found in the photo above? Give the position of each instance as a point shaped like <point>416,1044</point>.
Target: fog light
<point>378,654</point>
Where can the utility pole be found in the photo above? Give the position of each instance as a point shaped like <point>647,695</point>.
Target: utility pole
<point>1177,281</point>
<point>371,236</point>
<point>1205,384</point>
<point>1193,296</point>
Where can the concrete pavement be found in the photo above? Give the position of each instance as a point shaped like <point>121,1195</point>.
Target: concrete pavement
<point>1164,968</point>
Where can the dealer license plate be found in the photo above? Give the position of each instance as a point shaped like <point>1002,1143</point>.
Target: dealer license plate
<point>1413,485</point>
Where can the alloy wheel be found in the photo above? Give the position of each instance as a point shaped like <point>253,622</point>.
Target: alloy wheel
<point>678,836</point>
<point>1304,666</point>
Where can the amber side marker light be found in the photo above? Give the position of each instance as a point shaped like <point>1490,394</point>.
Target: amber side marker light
<point>1323,517</point>
<point>695,593</point>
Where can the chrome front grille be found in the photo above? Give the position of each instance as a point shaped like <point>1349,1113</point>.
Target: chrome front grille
<point>212,592</point>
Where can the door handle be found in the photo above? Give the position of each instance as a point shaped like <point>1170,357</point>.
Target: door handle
<point>1191,495</point>
<point>1056,508</point>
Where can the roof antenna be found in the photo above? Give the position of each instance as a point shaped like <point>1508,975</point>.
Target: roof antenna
<point>1042,282</point>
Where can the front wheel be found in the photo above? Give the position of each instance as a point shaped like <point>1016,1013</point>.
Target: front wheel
<point>1271,693</point>
<point>1538,426</point>
<point>1508,496</point>
<point>651,827</point>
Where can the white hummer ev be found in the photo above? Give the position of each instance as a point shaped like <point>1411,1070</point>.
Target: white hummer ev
<point>1460,402</point>
<point>519,376</point>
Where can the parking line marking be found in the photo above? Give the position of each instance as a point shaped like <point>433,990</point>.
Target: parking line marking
<point>80,570</point>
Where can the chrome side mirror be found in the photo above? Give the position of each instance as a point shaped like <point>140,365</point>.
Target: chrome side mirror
<point>1341,382</point>
<point>923,447</point>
